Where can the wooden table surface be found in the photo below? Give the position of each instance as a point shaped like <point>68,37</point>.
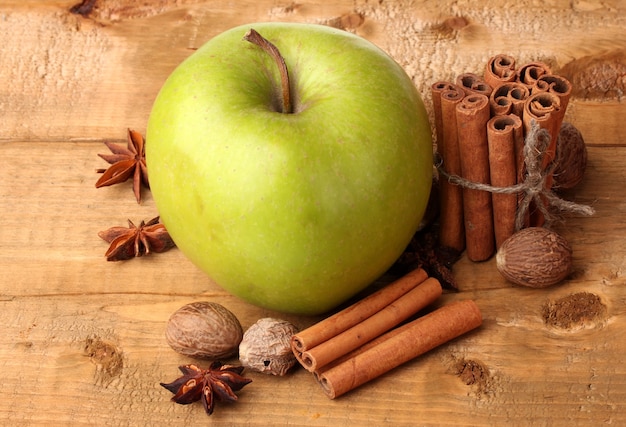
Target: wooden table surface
<point>70,82</point>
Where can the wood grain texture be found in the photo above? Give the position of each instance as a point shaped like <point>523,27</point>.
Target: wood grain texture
<point>82,340</point>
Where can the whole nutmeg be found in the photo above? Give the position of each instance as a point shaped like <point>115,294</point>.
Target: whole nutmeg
<point>535,257</point>
<point>266,346</point>
<point>571,157</point>
<point>205,330</point>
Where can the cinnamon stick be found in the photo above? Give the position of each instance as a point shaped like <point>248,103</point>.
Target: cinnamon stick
<point>473,84</point>
<point>472,115</point>
<point>379,323</point>
<point>451,229</point>
<point>500,69</point>
<point>545,109</point>
<point>508,98</point>
<point>556,85</point>
<point>562,88</point>
<point>365,347</point>
<point>396,348</point>
<point>529,73</point>
<point>356,313</point>
<point>436,90</point>
<point>505,136</point>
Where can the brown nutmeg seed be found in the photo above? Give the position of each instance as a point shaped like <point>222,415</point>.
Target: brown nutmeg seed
<point>205,330</point>
<point>571,157</point>
<point>535,257</point>
<point>266,346</point>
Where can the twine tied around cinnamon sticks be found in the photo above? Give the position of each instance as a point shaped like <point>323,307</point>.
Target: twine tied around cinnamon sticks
<point>533,188</point>
<point>480,137</point>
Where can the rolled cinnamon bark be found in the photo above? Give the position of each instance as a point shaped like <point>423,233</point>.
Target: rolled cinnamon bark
<point>436,90</point>
<point>451,229</point>
<point>473,84</point>
<point>365,347</point>
<point>356,313</point>
<point>396,348</point>
<point>545,109</point>
<point>500,69</point>
<point>472,115</point>
<point>529,73</point>
<point>556,85</point>
<point>372,327</point>
<point>505,135</point>
<point>508,98</point>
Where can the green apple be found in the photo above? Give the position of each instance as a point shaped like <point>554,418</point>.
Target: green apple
<point>297,210</point>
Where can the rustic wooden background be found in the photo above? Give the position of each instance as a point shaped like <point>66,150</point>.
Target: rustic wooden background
<point>82,339</point>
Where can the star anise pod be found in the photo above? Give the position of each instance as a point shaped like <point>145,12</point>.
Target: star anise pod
<point>133,241</point>
<point>126,162</point>
<point>424,250</point>
<point>218,383</point>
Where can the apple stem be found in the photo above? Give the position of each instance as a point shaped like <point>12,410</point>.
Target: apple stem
<point>254,37</point>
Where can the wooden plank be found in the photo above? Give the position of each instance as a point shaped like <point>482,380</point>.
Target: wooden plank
<point>90,78</point>
<point>61,295</point>
<point>70,82</point>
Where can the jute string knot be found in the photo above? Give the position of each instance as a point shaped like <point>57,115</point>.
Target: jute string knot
<point>533,187</point>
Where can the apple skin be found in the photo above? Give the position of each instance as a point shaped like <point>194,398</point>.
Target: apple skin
<point>291,212</point>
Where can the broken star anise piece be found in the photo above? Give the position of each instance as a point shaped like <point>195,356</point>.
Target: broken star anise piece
<point>126,162</point>
<point>133,241</point>
<point>218,383</point>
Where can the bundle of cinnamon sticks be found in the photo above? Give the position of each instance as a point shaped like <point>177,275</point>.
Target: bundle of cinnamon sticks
<point>481,124</point>
<point>364,340</point>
